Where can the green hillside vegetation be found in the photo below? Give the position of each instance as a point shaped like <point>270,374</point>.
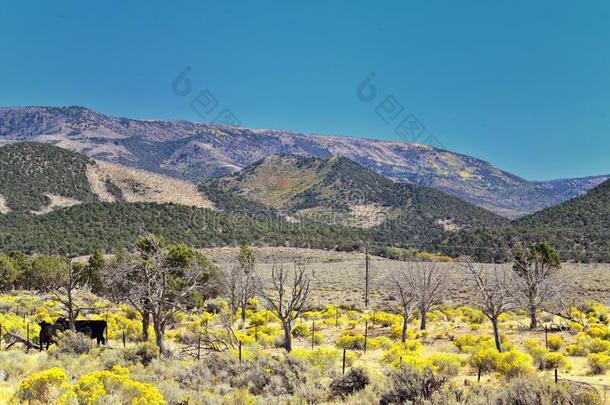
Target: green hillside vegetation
<point>326,190</point>
<point>28,171</point>
<point>578,228</point>
<point>82,229</point>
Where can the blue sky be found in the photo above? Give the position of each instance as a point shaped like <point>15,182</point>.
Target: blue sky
<point>524,85</point>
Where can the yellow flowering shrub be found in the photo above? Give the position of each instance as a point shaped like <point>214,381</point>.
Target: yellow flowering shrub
<point>599,362</point>
<point>38,387</point>
<point>577,349</point>
<point>380,342</point>
<point>406,351</point>
<point>396,331</point>
<point>472,343</point>
<point>555,342</point>
<point>598,331</point>
<point>324,357</point>
<point>350,340</point>
<point>95,386</point>
<point>447,364</point>
<point>598,345</point>
<point>485,359</point>
<point>513,363</point>
<point>472,315</point>
<point>553,360</point>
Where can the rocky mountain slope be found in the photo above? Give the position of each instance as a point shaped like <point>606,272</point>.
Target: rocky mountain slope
<point>195,151</point>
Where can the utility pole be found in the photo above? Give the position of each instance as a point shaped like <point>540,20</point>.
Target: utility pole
<point>367,274</point>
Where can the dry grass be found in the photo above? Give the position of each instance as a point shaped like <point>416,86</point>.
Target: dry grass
<point>338,277</point>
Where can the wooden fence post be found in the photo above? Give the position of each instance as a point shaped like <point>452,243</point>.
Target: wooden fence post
<point>366,333</point>
<point>124,340</point>
<point>343,361</point>
<point>239,351</point>
<point>199,347</point>
<point>556,376</point>
<point>27,334</point>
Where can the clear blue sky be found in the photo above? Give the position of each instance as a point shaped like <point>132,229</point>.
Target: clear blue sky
<point>522,84</point>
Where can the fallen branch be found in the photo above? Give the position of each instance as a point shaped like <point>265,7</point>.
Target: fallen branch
<point>18,339</point>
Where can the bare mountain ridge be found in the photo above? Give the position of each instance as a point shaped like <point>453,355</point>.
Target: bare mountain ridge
<point>195,151</point>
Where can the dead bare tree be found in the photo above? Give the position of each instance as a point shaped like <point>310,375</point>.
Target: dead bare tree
<point>397,285</point>
<point>240,281</point>
<point>564,301</point>
<point>153,282</point>
<point>286,296</point>
<point>67,287</point>
<point>428,282</point>
<point>536,269</point>
<point>492,292</point>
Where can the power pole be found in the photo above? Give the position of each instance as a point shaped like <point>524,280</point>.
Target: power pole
<point>367,274</point>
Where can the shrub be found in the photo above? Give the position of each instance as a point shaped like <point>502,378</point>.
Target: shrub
<point>598,331</point>
<point>599,362</point>
<point>384,319</point>
<point>472,315</point>
<point>99,386</point>
<point>513,363</point>
<point>536,390</point>
<point>350,341</point>
<point>535,350</point>
<point>270,376</point>
<point>73,343</point>
<point>406,351</point>
<point>485,359</point>
<point>445,364</point>
<point>38,387</point>
<point>555,360</point>
<point>355,380</point>
<point>575,327</point>
<point>576,349</point>
<point>146,352</point>
<point>383,342</point>
<point>555,342</point>
<point>322,357</point>
<point>472,343</point>
<point>301,330</point>
<point>598,345</point>
<point>411,386</point>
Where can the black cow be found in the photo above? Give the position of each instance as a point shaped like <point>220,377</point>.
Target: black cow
<point>47,332</point>
<point>93,329</point>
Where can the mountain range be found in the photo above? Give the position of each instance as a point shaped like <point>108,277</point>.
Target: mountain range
<point>194,152</point>
<point>53,198</point>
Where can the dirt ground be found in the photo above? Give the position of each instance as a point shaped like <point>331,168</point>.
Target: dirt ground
<point>338,277</point>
